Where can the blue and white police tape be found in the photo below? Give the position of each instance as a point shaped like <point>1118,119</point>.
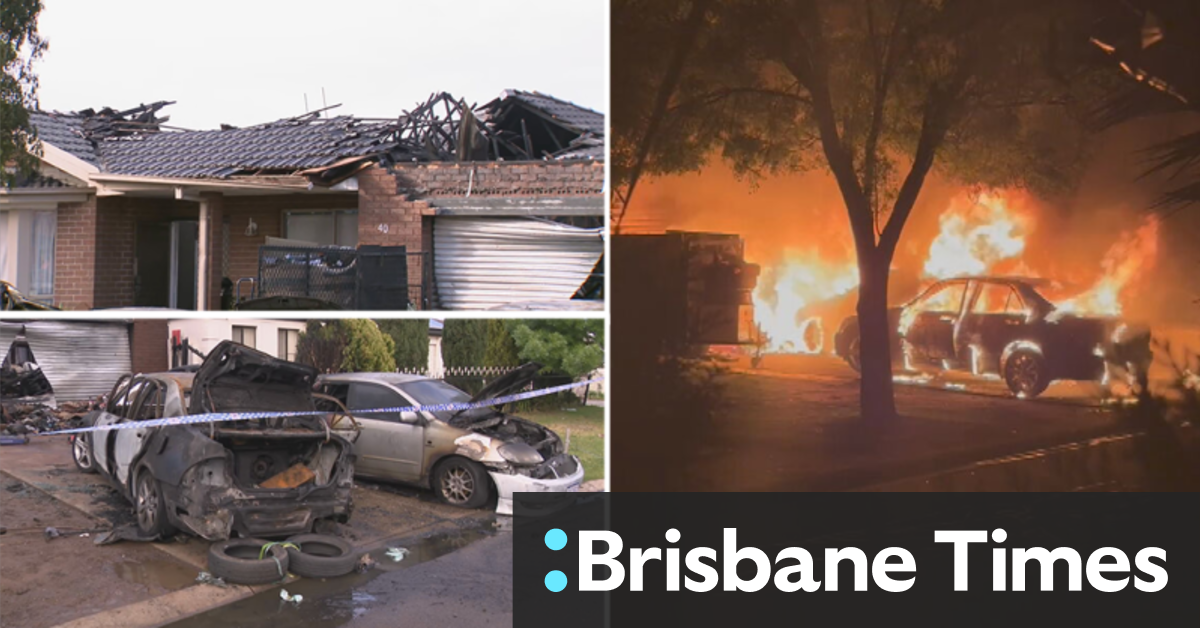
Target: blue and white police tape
<point>217,417</point>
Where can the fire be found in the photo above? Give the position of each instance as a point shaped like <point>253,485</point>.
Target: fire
<point>1132,254</point>
<point>785,289</point>
<point>982,234</point>
<point>977,236</point>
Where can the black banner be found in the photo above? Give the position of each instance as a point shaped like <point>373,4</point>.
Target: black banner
<point>1107,559</point>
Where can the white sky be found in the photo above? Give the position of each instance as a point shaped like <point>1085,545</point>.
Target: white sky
<point>246,62</point>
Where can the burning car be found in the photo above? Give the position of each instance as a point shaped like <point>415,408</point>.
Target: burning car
<point>1005,327</point>
<point>270,477</point>
<point>463,456</point>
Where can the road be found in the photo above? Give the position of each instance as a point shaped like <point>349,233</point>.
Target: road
<point>793,424</point>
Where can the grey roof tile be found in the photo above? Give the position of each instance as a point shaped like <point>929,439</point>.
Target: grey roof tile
<point>64,131</point>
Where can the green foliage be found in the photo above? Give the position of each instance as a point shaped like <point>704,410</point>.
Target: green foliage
<point>464,342</point>
<point>501,348</point>
<point>411,337</point>
<point>351,345</point>
<point>20,47</point>
<point>367,348</point>
<point>574,347</point>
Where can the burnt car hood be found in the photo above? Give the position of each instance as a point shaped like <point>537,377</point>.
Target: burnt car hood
<point>509,383</point>
<point>236,378</point>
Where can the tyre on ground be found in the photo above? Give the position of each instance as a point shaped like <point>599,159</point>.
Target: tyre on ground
<point>320,556</point>
<point>237,561</point>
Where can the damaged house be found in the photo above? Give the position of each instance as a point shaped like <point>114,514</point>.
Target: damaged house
<point>448,206</point>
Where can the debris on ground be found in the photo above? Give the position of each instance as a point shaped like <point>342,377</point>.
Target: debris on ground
<point>52,533</point>
<point>294,599</point>
<point>14,440</point>
<point>207,578</point>
<point>397,554</point>
<point>127,532</point>
<point>365,563</point>
<point>34,418</point>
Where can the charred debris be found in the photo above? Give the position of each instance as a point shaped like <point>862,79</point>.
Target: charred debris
<point>517,126</point>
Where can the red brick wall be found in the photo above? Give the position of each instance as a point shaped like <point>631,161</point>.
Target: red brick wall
<point>386,218</point>
<point>267,212</point>
<point>75,255</point>
<point>148,346</point>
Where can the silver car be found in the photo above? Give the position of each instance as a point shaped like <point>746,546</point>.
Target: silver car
<point>466,457</point>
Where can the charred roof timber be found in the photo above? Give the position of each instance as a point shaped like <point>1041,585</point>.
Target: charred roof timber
<point>517,126</point>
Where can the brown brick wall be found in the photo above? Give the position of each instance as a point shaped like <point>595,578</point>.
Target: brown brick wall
<point>75,255</point>
<point>267,212</point>
<point>386,218</point>
<point>541,178</point>
<point>148,345</point>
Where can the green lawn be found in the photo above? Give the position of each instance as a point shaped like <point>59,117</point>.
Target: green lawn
<point>586,426</point>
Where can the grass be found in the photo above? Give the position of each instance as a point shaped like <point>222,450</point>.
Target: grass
<point>586,426</point>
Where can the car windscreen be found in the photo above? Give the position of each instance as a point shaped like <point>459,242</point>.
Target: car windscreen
<point>433,392</point>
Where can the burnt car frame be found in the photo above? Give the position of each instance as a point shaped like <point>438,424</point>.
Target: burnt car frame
<point>465,457</point>
<point>207,478</point>
<point>1003,327</point>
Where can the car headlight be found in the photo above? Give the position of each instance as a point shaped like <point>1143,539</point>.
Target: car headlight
<point>520,453</point>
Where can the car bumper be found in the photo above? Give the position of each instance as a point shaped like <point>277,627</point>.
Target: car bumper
<point>509,483</point>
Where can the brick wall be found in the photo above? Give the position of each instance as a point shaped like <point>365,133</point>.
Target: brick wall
<point>393,209</point>
<point>541,178</point>
<point>148,346</point>
<point>267,212</point>
<point>75,255</point>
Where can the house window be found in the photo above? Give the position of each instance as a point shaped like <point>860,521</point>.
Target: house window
<point>41,276</point>
<point>289,339</point>
<point>330,228</point>
<point>245,335</point>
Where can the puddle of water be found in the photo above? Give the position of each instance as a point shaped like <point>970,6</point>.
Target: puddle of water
<point>333,602</point>
<point>167,574</point>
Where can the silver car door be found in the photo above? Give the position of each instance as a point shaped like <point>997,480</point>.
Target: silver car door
<point>128,445</point>
<point>391,445</point>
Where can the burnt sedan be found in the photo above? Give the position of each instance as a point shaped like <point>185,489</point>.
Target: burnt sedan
<point>270,477</point>
<point>466,457</point>
<point>1003,327</point>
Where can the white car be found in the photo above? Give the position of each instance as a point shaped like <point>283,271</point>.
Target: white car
<point>466,457</point>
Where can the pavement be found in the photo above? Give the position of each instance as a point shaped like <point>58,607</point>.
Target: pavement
<point>69,581</point>
<point>793,425</point>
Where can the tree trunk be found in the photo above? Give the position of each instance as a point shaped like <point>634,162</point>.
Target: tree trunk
<point>875,355</point>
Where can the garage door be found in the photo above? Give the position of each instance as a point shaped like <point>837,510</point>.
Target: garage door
<point>481,263</point>
<point>81,359</point>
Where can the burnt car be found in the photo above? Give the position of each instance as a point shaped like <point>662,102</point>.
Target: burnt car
<point>1004,327</point>
<point>467,456</point>
<point>12,300</point>
<point>272,477</point>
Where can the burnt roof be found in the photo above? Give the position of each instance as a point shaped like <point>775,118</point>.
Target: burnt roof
<point>135,142</point>
<point>284,146</point>
<point>65,131</point>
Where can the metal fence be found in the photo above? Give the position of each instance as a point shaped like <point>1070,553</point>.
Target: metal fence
<point>366,278</point>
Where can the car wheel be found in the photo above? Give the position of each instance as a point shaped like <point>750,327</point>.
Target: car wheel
<point>242,561</point>
<point>852,354</point>
<point>461,482</point>
<point>81,453</point>
<point>150,505</point>
<point>320,556</point>
<point>1026,374</point>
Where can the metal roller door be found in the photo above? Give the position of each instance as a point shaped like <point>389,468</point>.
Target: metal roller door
<point>81,359</point>
<point>481,263</point>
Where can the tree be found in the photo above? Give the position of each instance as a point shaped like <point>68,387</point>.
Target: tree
<point>20,47</point>
<point>873,91</point>
<point>411,337</point>
<point>464,342</point>
<point>349,345</point>
<point>574,347</point>
<point>501,348</point>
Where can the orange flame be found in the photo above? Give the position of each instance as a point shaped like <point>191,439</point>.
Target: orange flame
<point>977,236</point>
<point>785,289</point>
<point>1133,253</point>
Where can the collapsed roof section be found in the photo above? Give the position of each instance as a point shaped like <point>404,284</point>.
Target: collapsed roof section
<point>517,126</point>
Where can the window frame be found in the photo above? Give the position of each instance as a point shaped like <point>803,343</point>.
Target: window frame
<point>332,212</point>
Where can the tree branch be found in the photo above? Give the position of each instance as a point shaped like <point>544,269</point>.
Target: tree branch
<point>714,97</point>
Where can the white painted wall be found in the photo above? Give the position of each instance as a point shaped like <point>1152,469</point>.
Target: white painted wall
<point>204,334</point>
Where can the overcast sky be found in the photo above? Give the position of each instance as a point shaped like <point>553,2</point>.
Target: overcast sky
<point>250,61</point>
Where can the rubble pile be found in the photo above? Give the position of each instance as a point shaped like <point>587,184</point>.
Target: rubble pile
<point>18,419</point>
